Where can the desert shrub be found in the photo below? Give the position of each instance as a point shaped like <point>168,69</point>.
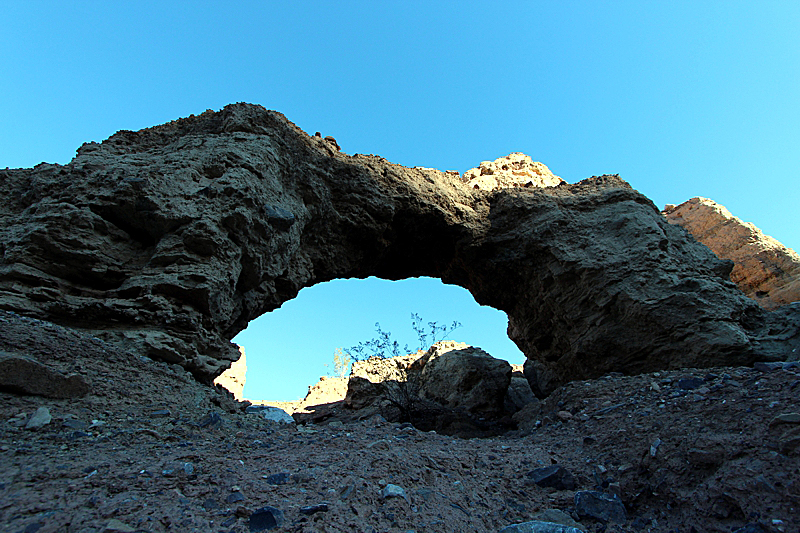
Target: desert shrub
<point>401,394</point>
<point>383,346</point>
<point>341,363</point>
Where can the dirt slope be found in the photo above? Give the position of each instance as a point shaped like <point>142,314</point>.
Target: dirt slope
<point>151,449</point>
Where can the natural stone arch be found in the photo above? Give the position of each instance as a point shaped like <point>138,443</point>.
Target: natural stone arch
<point>169,240</point>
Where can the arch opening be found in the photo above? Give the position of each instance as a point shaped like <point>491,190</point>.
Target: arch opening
<point>288,349</point>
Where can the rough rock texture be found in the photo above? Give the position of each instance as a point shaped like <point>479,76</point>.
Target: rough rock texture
<point>519,391</point>
<point>486,381</point>
<point>22,374</point>
<point>327,390</point>
<point>766,270</point>
<point>169,240</point>
<point>235,377</point>
<point>465,377</point>
<point>451,374</point>
<point>513,170</point>
<point>364,386</point>
<point>452,388</point>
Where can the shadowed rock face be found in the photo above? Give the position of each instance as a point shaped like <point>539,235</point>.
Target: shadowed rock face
<point>171,239</point>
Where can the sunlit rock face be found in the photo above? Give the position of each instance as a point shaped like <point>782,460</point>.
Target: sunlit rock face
<point>235,378</point>
<point>513,170</point>
<point>764,269</point>
<point>171,239</point>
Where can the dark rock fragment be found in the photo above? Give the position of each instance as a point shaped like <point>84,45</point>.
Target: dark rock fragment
<point>279,217</point>
<point>209,504</point>
<point>601,506</point>
<point>311,509</point>
<point>265,518</point>
<point>555,476</point>
<point>690,383</point>
<point>279,479</point>
<point>74,423</point>
<point>212,420</point>
<point>234,497</point>
<point>778,365</point>
<point>789,442</point>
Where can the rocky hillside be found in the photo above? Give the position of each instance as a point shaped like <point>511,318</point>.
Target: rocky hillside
<point>766,270</point>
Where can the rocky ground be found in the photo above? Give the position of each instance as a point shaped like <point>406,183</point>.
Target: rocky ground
<point>151,449</point>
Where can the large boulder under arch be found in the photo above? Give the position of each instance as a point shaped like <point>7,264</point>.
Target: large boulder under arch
<point>171,239</point>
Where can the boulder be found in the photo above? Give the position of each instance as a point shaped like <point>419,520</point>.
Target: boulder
<point>271,413</point>
<point>368,379</point>
<point>465,377</point>
<point>763,268</point>
<point>23,375</point>
<point>600,506</point>
<point>327,390</point>
<point>451,388</point>
<point>451,374</point>
<point>169,240</point>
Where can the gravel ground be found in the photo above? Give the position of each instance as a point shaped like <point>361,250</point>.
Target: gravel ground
<point>151,449</point>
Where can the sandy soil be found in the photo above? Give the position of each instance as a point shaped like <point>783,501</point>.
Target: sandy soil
<point>151,449</point>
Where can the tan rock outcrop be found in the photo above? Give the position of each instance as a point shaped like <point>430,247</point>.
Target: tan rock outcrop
<point>235,377</point>
<point>169,240</point>
<point>327,390</point>
<point>765,270</point>
<point>513,170</point>
<point>365,383</point>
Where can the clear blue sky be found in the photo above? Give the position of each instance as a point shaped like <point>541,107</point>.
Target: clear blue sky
<point>682,99</point>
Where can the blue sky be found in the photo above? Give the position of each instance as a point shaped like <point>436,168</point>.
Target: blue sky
<point>682,99</point>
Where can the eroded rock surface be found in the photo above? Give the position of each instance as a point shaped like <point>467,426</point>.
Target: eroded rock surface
<point>766,270</point>
<point>513,170</point>
<point>23,375</point>
<point>452,388</point>
<point>466,377</point>
<point>169,240</point>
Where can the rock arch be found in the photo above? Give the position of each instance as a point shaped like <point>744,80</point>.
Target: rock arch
<point>170,239</point>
